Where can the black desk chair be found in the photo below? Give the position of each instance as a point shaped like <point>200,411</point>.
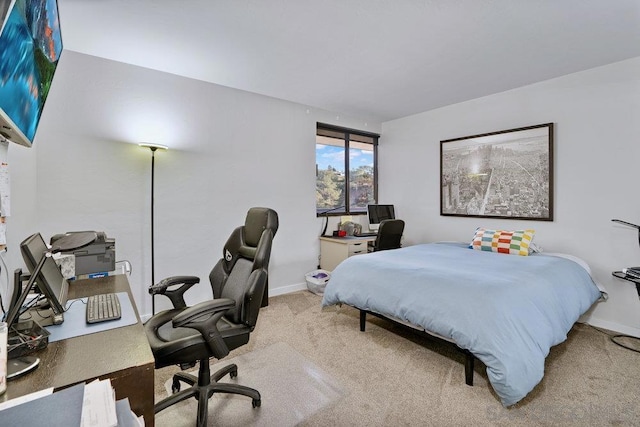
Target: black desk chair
<point>186,335</point>
<point>389,235</point>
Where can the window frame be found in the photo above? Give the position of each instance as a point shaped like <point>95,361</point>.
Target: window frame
<point>347,134</point>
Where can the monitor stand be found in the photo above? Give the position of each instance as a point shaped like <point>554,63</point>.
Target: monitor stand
<point>21,365</point>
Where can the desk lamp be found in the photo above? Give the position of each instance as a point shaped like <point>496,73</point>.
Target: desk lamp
<point>153,148</point>
<point>628,224</point>
<point>21,365</point>
<point>326,218</point>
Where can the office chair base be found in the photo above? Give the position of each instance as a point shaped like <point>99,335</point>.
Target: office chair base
<point>203,387</point>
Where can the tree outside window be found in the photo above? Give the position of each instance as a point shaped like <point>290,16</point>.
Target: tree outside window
<point>334,169</point>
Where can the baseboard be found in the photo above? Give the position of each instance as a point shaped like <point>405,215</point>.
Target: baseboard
<point>281,290</point>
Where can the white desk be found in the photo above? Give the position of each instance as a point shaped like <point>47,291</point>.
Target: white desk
<point>334,250</point>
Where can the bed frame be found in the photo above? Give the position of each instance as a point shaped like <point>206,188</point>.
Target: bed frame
<point>469,357</point>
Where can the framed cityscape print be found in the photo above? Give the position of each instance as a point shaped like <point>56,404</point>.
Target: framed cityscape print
<point>505,174</point>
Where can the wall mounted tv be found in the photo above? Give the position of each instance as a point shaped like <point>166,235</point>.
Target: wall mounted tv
<point>30,47</point>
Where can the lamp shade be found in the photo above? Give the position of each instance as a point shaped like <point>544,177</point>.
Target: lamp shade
<point>153,146</point>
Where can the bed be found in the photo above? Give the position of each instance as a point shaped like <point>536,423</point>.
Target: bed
<point>505,310</point>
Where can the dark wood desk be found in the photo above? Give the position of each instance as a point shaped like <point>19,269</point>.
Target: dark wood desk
<point>122,355</point>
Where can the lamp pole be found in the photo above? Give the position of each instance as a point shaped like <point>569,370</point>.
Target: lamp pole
<point>153,148</point>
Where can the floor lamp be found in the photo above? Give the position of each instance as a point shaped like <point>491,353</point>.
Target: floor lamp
<point>153,148</point>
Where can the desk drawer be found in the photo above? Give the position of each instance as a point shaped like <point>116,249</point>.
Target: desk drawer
<point>357,248</point>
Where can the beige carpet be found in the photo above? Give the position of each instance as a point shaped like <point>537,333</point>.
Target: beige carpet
<point>390,376</point>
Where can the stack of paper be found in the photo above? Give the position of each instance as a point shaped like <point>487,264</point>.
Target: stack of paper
<point>99,405</point>
<point>90,405</point>
<point>100,409</point>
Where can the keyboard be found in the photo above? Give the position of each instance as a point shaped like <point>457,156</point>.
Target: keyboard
<point>367,234</point>
<point>103,307</point>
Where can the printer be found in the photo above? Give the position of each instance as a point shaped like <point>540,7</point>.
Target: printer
<point>97,257</point>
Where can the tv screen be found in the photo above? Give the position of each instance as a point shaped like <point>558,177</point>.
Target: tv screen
<point>30,47</point>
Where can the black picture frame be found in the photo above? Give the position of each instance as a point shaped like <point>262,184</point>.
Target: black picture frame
<point>506,174</point>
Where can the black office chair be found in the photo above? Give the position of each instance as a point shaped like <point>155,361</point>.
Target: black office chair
<point>186,335</point>
<point>389,235</point>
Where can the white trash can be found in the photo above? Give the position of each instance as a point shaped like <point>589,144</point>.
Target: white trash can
<point>317,280</point>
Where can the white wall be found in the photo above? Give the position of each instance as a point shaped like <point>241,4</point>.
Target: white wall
<point>597,153</point>
<point>229,150</point>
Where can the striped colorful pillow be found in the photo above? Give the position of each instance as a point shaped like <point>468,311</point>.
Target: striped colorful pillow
<point>502,241</point>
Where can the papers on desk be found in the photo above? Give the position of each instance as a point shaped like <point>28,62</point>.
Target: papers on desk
<point>90,405</point>
<point>99,405</point>
<point>100,409</point>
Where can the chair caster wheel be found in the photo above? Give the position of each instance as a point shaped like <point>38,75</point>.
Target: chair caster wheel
<point>255,403</point>
<point>175,386</point>
<point>233,374</point>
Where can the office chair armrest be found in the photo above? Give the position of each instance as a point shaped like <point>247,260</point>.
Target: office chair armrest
<point>204,317</point>
<point>175,295</point>
<point>203,309</point>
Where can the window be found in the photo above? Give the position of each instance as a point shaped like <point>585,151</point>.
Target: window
<point>346,170</point>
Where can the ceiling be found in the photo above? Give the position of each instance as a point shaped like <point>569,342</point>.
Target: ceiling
<point>373,59</point>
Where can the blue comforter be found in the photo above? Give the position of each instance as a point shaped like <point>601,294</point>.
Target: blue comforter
<point>508,310</point>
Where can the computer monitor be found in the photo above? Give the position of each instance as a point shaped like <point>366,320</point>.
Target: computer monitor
<point>378,213</point>
<point>49,280</point>
<point>17,301</point>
